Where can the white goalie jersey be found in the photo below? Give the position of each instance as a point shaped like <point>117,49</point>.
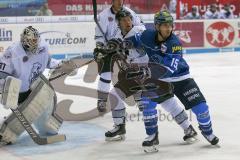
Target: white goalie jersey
<point>17,63</point>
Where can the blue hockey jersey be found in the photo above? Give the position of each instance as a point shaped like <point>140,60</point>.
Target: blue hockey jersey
<point>167,53</point>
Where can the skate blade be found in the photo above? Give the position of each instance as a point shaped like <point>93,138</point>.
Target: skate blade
<point>191,140</point>
<point>116,138</point>
<point>151,149</point>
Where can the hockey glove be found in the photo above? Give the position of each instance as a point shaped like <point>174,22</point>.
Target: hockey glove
<point>99,54</point>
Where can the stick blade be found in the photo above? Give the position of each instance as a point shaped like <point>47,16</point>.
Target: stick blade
<point>56,138</point>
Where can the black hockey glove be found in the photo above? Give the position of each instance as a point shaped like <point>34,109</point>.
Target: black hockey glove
<point>114,45</point>
<point>99,54</point>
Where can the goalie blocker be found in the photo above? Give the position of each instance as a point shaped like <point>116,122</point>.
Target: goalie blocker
<point>38,108</point>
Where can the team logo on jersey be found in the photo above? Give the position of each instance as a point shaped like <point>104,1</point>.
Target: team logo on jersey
<point>220,34</point>
<point>176,48</point>
<point>110,19</point>
<point>35,72</point>
<point>163,48</point>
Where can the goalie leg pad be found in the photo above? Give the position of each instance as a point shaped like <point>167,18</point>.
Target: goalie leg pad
<point>32,108</point>
<point>7,136</point>
<point>48,123</point>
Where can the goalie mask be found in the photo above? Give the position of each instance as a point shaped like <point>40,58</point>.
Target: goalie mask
<point>30,39</point>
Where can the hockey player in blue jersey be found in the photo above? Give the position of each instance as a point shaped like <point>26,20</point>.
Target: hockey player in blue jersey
<point>133,80</point>
<point>163,47</point>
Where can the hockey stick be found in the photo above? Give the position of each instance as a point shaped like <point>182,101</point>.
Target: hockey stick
<point>94,2</point>
<point>33,134</point>
<point>62,74</point>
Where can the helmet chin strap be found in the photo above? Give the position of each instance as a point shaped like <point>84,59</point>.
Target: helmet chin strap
<point>159,32</point>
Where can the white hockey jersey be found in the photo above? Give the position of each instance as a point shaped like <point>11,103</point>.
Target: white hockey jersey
<point>16,62</point>
<point>135,55</point>
<point>109,25</point>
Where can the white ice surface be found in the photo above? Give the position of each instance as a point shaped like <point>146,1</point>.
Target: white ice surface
<point>218,76</point>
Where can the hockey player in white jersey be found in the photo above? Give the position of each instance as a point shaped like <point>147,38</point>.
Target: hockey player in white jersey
<point>25,61</point>
<point>109,29</point>
<point>136,60</point>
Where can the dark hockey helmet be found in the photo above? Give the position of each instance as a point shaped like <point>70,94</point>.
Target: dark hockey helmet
<point>163,17</point>
<point>123,13</point>
<point>30,39</point>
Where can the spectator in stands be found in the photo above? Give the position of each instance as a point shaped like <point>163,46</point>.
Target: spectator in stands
<point>44,11</point>
<point>212,12</point>
<point>172,6</point>
<point>226,12</point>
<point>194,14</point>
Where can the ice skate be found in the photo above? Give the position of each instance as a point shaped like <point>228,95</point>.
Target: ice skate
<point>116,134</point>
<point>150,144</point>
<point>212,139</point>
<point>190,135</point>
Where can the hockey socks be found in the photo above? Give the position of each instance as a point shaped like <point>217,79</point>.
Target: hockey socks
<point>203,118</point>
<point>150,121</point>
<point>104,82</point>
<point>204,121</point>
<point>180,116</point>
<point>150,117</point>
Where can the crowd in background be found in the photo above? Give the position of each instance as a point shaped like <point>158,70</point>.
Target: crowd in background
<point>213,12</point>
<point>41,8</point>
